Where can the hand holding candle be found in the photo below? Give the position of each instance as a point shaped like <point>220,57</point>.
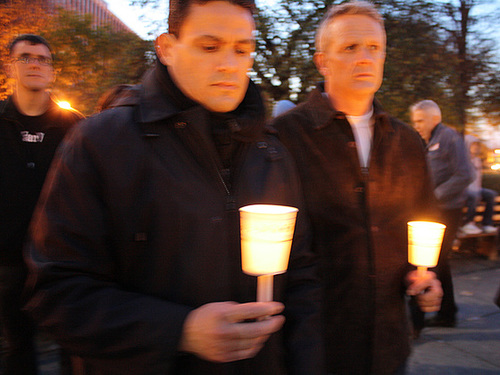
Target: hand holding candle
<point>266,239</point>
<point>424,244</point>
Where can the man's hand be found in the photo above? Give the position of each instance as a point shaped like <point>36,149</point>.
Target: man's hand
<point>218,332</point>
<point>426,289</point>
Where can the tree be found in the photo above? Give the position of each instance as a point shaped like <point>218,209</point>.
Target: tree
<point>285,46</point>
<point>423,62</point>
<point>18,18</point>
<point>427,56</point>
<point>88,59</point>
<point>416,65</point>
<point>472,59</point>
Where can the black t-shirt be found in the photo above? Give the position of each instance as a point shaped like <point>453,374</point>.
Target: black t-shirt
<point>27,147</point>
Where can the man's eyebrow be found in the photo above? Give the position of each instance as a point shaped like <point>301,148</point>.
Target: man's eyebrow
<point>32,55</point>
<point>219,40</point>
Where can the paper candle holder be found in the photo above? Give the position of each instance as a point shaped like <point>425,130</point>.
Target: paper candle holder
<point>266,239</point>
<point>424,243</point>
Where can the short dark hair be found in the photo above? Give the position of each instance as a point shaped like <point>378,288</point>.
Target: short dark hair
<point>30,38</point>
<point>178,11</point>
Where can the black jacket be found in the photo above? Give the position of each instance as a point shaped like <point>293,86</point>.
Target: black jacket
<point>359,218</point>
<point>25,157</point>
<point>136,229</point>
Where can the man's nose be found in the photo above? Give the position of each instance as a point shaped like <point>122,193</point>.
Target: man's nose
<point>228,61</point>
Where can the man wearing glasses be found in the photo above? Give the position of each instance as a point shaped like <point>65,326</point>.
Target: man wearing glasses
<point>31,127</point>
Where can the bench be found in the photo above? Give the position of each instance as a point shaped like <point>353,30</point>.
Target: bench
<point>485,244</point>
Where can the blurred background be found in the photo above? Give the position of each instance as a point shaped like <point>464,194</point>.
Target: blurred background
<point>447,51</point>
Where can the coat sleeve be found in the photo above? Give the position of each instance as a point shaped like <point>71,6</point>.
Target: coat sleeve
<point>461,170</point>
<point>304,339</point>
<point>73,293</point>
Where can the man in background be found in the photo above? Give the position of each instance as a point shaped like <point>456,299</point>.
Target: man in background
<point>31,127</point>
<point>135,260</point>
<point>451,170</point>
<point>365,176</point>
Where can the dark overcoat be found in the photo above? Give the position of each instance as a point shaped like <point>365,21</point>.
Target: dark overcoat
<point>136,228</point>
<point>359,218</point>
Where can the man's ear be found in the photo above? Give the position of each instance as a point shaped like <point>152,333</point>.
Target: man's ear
<point>163,45</point>
<point>319,61</point>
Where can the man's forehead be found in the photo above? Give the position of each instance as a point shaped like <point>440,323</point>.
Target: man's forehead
<point>217,19</point>
<point>24,47</point>
<point>352,26</point>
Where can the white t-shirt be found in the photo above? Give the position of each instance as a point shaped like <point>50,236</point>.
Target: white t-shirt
<point>362,127</point>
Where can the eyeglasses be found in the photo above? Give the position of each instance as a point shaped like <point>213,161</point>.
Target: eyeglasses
<point>45,61</point>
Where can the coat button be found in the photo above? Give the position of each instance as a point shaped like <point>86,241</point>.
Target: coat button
<point>375,229</point>
<point>180,125</point>
<point>351,144</point>
<point>30,165</point>
<point>359,189</point>
<point>233,125</point>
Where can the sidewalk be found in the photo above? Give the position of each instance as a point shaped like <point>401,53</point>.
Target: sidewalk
<point>473,346</point>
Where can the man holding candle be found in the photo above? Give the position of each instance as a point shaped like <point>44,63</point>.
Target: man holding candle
<point>135,260</point>
<point>365,176</point>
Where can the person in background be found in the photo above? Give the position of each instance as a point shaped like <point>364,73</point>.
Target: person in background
<point>364,175</point>
<point>31,127</point>
<point>451,170</point>
<point>116,96</point>
<point>135,264</point>
<point>476,193</point>
<point>282,106</point>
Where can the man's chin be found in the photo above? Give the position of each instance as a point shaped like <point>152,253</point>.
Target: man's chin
<point>222,106</point>
<point>36,88</point>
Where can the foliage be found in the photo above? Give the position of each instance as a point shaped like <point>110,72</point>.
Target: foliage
<point>430,55</point>
<point>17,18</point>
<point>471,57</point>
<point>434,51</point>
<point>415,65</point>
<point>88,59</point>
<point>285,46</point>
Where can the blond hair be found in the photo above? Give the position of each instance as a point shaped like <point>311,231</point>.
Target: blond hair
<point>352,8</point>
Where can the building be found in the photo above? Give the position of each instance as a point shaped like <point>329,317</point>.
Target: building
<point>101,15</point>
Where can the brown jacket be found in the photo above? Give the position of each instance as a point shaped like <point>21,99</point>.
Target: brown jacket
<point>359,221</point>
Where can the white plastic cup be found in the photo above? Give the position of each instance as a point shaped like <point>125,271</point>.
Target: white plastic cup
<point>266,238</point>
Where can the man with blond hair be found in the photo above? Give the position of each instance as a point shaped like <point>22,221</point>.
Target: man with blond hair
<point>364,176</point>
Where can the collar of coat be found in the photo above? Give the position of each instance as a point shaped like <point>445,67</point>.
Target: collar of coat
<point>436,132</point>
<point>323,114</point>
<point>157,102</point>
